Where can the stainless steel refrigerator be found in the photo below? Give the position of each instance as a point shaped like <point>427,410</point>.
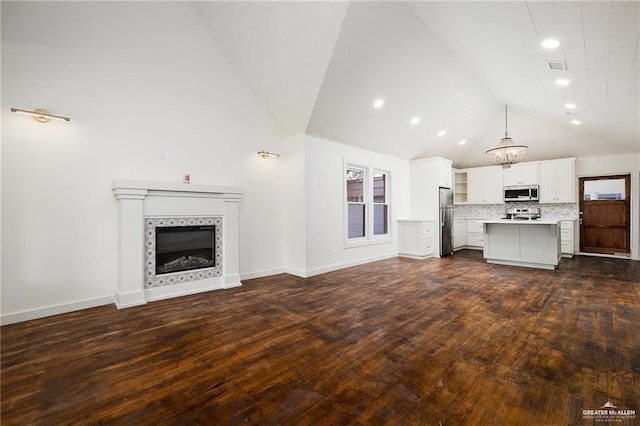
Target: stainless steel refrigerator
<point>446,222</point>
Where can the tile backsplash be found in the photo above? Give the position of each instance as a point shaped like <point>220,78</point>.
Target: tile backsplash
<point>561,211</point>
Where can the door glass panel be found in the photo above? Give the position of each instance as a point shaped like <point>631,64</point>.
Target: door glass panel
<point>605,189</point>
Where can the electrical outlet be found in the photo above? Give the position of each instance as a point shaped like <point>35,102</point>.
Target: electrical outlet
<point>166,155</point>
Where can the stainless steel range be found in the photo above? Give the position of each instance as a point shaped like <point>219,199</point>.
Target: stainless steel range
<point>528,213</point>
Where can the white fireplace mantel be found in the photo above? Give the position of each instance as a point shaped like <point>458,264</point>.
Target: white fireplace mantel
<point>139,200</point>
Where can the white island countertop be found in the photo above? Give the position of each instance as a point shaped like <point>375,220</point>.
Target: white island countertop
<point>521,222</point>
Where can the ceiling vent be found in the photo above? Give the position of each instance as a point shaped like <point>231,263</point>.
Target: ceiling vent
<point>557,65</point>
<point>573,113</point>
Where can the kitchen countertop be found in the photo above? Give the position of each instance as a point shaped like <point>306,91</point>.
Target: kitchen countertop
<point>522,222</point>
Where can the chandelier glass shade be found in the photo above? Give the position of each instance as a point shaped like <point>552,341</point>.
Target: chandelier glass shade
<point>507,152</point>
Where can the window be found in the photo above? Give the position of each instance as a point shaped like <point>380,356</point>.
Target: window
<point>356,212</point>
<point>367,205</point>
<point>380,206</point>
<point>604,189</point>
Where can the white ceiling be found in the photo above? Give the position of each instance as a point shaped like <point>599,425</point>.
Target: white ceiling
<point>317,67</point>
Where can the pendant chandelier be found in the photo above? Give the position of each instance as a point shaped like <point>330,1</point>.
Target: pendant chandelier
<point>507,153</point>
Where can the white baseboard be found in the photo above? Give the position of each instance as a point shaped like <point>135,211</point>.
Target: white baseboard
<point>263,273</point>
<point>178,290</point>
<point>412,256</point>
<point>297,272</point>
<point>306,274</point>
<point>54,310</point>
<point>338,266</point>
<point>611,256</point>
<point>127,300</point>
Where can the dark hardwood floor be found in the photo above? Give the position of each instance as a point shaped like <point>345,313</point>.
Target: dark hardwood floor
<point>449,341</point>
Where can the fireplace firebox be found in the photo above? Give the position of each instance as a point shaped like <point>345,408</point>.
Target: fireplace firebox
<point>184,248</point>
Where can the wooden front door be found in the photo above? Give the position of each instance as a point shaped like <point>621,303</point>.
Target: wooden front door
<point>605,214</point>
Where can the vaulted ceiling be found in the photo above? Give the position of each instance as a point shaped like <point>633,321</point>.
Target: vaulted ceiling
<point>318,67</point>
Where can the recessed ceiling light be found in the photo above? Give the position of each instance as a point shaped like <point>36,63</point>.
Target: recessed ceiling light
<point>415,120</point>
<point>442,132</point>
<point>378,103</point>
<point>570,106</point>
<point>576,122</point>
<point>550,43</point>
<point>462,142</point>
<point>562,82</point>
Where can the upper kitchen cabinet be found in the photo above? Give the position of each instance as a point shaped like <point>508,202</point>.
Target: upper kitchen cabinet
<point>557,181</point>
<point>485,185</point>
<point>445,174</point>
<point>460,184</point>
<point>522,174</point>
<point>438,166</point>
<point>425,177</point>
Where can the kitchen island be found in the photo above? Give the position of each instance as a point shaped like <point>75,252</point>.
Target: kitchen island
<point>529,243</point>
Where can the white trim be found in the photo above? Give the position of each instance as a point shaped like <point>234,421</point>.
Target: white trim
<point>142,200</point>
<point>387,202</point>
<point>263,273</point>
<point>339,266</point>
<point>129,299</point>
<point>141,187</point>
<point>522,264</point>
<point>611,256</point>
<point>184,289</point>
<point>361,242</point>
<point>369,238</point>
<point>297,272</point>
<point>47,311</point>
<point>415,257</point>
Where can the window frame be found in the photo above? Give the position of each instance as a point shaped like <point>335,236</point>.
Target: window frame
<point>386,175</point>
<point>369,237</point>
<point>356,203</point>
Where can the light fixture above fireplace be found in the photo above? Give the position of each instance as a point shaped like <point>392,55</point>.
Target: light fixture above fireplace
<point>39,114</point>
<point>266,154</point>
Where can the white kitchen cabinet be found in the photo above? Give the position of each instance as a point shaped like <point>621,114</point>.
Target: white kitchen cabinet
<point>426,175</point>
<point>485,185</point>
<point>416,238</point>
<point>445,173</point>
<point>460,185</point>
<point>475,233</point>
<point>459,233</point>
<point>557,181</point>
<point>566,237</point>
<point>522,174</point>
<point>532,244</point>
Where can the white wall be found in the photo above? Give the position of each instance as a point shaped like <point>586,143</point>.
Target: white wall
<point>618,164</point>
<point>136,78</point>
<point>293,204</point>
<point>324,167</point>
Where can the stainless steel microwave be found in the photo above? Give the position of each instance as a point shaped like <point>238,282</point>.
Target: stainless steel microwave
<point>521,193</point>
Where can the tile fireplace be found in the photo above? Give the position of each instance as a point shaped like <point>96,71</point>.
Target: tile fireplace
<point>175,239</point>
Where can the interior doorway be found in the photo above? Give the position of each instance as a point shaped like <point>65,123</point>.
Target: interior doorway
<point>605,214</point>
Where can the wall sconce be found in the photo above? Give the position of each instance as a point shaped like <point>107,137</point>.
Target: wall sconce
<point>267,154</point>
<point>41,115</point>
